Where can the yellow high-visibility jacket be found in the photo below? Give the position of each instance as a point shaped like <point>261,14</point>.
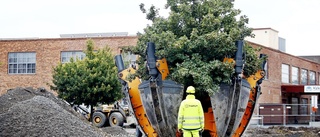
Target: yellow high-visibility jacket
<point>190,116</point>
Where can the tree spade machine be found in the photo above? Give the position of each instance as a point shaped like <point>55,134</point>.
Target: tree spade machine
<point>155,102</point>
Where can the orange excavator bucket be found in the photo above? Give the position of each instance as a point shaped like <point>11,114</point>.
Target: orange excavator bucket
<point>233,105</point>
<point>161,98</point>
<point>255,91</point>
<point>155,106</point>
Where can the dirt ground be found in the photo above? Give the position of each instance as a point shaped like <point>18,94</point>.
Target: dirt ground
<point>36,112</point>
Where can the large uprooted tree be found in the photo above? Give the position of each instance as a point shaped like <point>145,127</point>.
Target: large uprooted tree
<point>195,38</point>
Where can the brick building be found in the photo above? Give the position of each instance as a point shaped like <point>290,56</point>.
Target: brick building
<point>29,63</point>
<point>276,78</point>
<point>291,88</point>
<point>287,78</point>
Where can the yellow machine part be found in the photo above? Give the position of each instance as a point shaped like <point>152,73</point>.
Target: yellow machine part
<point>136,103</point>
<point>162,67</point>
<point>251,103</point>
<point>229,60</point>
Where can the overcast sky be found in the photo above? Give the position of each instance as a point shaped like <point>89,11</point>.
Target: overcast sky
<point>298,21</point>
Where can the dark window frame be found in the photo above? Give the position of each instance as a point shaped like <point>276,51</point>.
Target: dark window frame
<point>22,62</point>
<point>304,76</point>
<point>312,78</point>
<point>285,75</point>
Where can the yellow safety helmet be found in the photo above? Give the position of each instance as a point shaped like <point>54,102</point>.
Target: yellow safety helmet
<point>191,89</point>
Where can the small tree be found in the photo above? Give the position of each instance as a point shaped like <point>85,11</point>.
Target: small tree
<point>90,81</point>
<point>195,38</point>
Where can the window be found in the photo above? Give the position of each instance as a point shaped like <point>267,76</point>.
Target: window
<point>304,106</point>
<point>22,63</point>
<point>266,70</point>
<point>67,55</point>
<point>304,76</point>
<point>285,73</point>
<point>312,77</point>
<point>295,75</point>
<point>319,78</point>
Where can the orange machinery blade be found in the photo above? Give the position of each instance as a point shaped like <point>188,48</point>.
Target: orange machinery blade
<point>135,98</point>
<point>136,103</point>
<point>253,97</point>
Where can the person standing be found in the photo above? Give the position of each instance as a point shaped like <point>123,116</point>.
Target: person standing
<point>190,115</point>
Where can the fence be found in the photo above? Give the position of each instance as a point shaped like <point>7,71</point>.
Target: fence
<point>285,114</point>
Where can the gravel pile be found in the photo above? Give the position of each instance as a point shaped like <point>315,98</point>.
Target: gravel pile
<point>34,113</point>
<point>118,132</point>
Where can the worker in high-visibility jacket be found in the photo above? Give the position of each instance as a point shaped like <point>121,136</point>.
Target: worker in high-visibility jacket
<point>190,116</point>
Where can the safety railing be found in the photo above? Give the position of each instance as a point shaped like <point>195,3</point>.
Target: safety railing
<point>286,114</point>
<point>256,120</point>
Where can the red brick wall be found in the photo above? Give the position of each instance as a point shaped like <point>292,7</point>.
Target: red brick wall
<point>47,57</point>
<point>271,87</point>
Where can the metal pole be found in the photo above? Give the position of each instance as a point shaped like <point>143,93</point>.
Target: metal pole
<point>259,113</point>
<point>284,114</point>
<point>310,113</point>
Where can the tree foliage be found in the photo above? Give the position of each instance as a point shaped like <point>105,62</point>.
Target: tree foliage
<point>90,81</point>
<point>195,38</point>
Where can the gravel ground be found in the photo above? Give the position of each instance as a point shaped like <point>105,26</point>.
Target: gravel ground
<point>282,131</point>
<point>32,112</point>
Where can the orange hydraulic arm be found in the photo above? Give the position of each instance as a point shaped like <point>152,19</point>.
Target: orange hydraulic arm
<point>132,92</point>
<point>131,89</point>
<point>254,81</point>
<point>162,67</point>
<point>136,103</point>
